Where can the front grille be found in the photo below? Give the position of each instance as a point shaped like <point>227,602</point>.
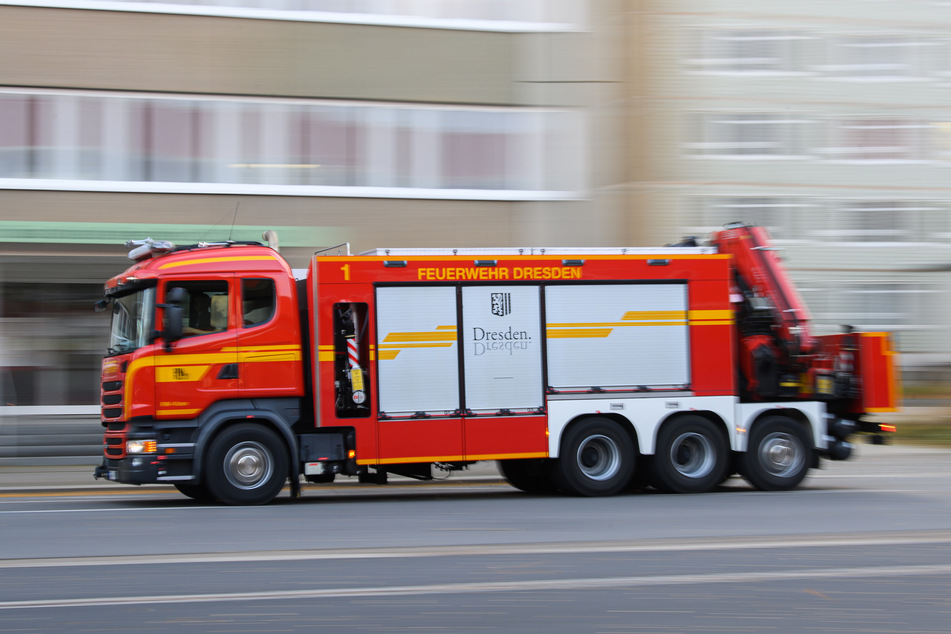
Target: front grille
<point>111,398</point>
<point>115,447</point>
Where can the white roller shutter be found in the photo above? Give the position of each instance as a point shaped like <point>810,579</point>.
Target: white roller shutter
<point>417,350</point>
<point>617,336</point>
<point>502,347</point>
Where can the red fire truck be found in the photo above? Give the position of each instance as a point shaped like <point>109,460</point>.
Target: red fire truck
<point>582,371</point>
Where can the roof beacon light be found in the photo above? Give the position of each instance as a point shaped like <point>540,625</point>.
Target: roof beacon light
<point>147,248</point>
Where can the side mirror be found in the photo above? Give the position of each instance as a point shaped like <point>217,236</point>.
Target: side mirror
<point>174,320</point>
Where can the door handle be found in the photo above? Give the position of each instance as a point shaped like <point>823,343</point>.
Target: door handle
<point>228,371</point>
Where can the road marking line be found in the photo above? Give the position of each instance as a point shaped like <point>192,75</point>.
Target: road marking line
<point>494,586</point>
<point>415,552</point>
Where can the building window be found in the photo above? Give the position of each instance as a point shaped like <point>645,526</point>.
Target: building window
<point>875,306</point>
<point>890,221</point>
<point>882,140</point>
<point>749,52</point>
<point>882,57</point>
<point>291,147</point>
<point>748,135</point>
<point>874,221</point>
<point>780,215</point>
<point>872,305</point>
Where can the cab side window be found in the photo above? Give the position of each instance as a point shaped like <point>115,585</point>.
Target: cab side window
<point>205,306</point>
<point>257,301</point>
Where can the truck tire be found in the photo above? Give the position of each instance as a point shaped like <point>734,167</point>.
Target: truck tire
<point>247,464</point>
<point>197,492</point>
<point>531,475</point>
<point>778,456</point>
<point>597,458</point>
<point>692,456</point>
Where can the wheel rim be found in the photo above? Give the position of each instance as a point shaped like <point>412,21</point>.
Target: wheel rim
<point>599,457</point>
<point>781,454</point>
<point>692,455</point>
<point>248,465</point>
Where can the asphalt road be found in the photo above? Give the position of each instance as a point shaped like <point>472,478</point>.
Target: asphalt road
<point>863,546</point>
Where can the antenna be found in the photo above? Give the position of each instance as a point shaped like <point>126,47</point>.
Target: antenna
<point>234,220</point>
<point>220,220</point>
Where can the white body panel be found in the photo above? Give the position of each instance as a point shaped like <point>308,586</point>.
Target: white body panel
<point>646,414</point>
<point>814,411</point>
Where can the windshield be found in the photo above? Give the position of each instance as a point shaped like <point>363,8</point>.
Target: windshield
<point>132,316</point>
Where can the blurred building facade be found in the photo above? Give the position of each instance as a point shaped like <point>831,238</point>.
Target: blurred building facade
<point>469,123</point>
<point>828,122</point>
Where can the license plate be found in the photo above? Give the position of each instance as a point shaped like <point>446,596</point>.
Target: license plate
<point>113,474</point>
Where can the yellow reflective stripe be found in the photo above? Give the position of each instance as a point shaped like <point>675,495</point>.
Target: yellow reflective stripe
<point>387,355</point>
<point>703,315</point>
<point>260,357</point>
<point>169,412</point>
<point>195,359</point>
<point>261,348</point>
<point>401,337</point>
<point>233,258</point>
<point>579,333</point>
<point>508,456</point>
<point>616,324</point>
<point>647,315</point>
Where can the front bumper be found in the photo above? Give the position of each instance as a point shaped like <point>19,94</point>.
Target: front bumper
<point>130,470</point>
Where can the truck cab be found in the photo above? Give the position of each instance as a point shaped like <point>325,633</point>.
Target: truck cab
<point>200,336</point>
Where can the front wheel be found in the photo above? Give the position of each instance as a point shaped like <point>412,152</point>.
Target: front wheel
<point>196,492</point>
<point>692,456</point>
<point>778,456</point>
<point>597,458</point>
<point>247,464</point>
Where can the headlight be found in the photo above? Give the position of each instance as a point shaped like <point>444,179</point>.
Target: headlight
<point>141,446</point>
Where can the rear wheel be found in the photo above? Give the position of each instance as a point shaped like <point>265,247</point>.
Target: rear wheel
<point>530,475</point>
<point>778,456</point>
<point>692,456</point>
<point>597,458</point>
<point>247,464</point>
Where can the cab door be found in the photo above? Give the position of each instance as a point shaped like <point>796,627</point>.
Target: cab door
<point>202,367</point>
<point>269,343</point>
